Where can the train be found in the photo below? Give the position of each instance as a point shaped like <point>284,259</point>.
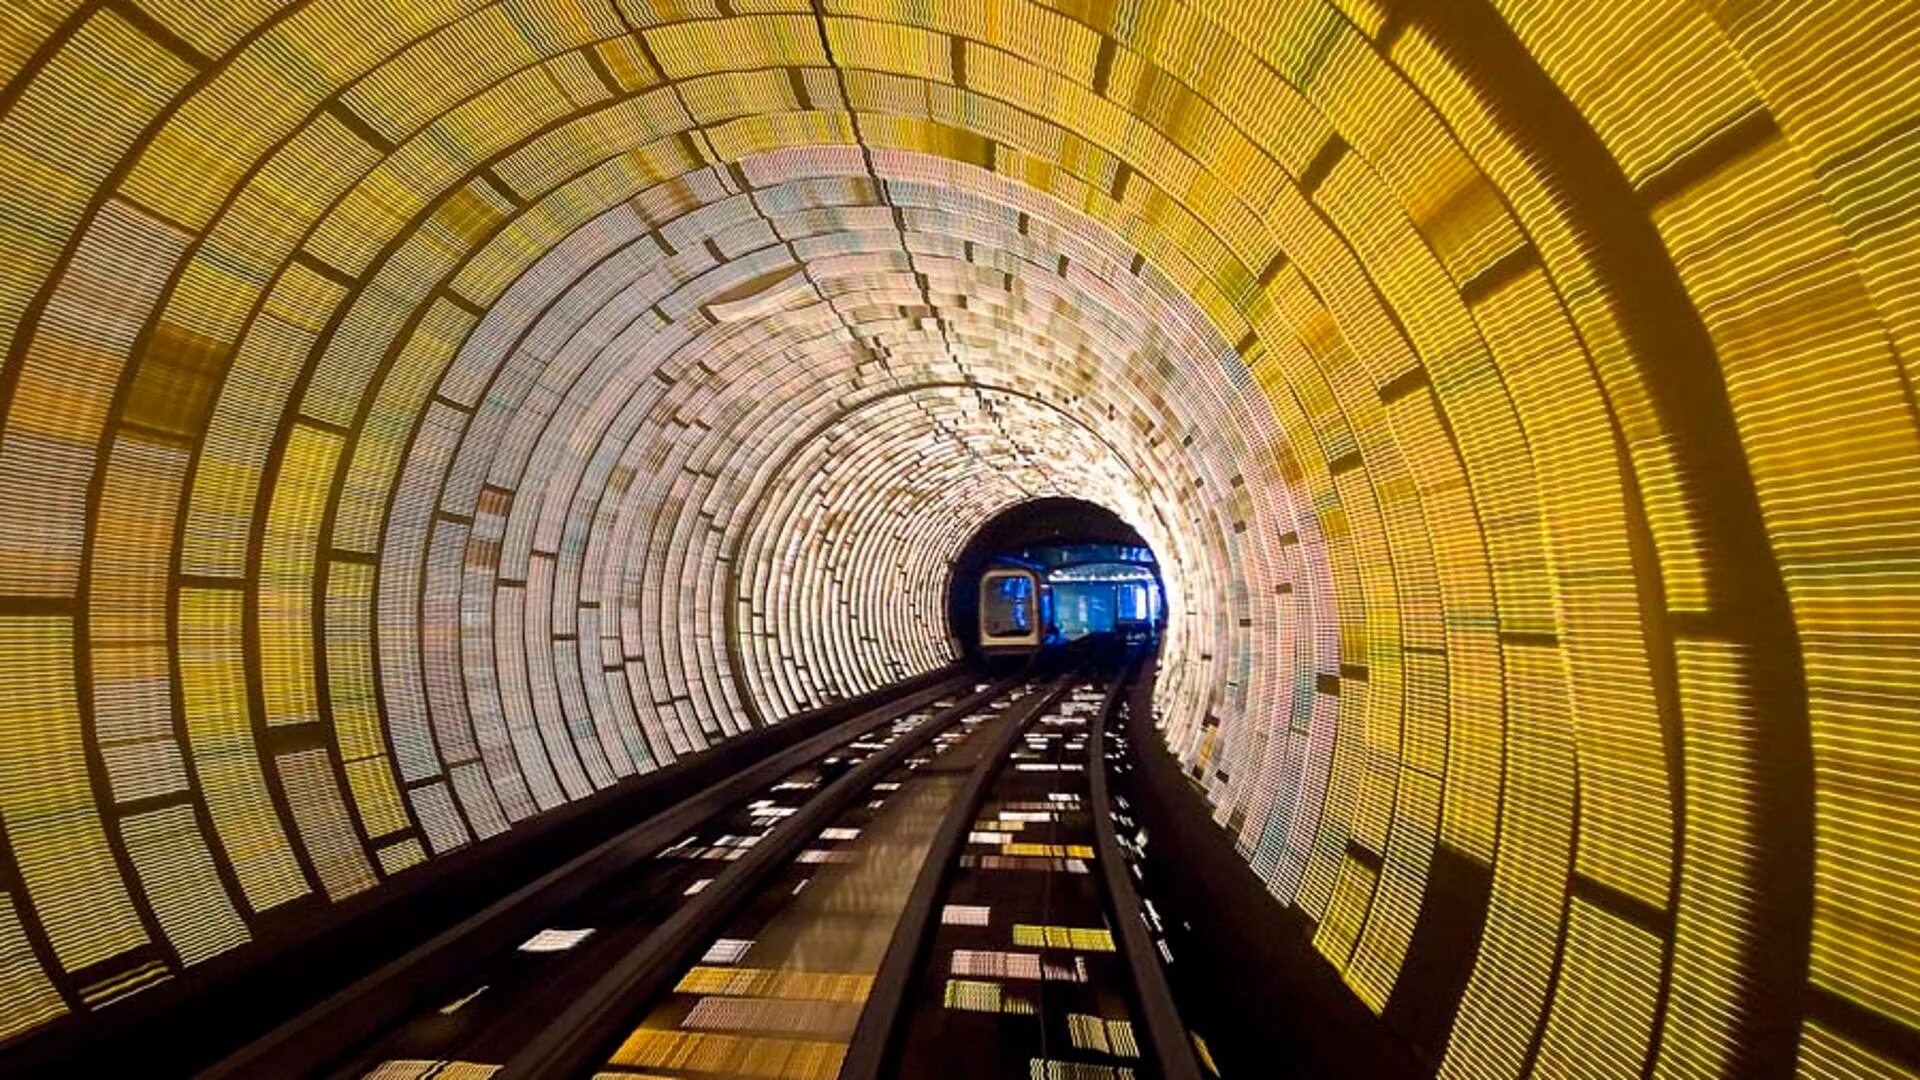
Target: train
<point>1016,611</point>
<point>1049,596</point>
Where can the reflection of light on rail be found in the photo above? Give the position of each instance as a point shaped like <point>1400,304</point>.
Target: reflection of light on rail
<point>997,964</point>
<point>1041,1069</point>
<point>817,1018</point>
<point>973,995</point>
<point>438,1070</point>
<point>1063,937</point>
<point>1102,1036</point>
<point>1022,862</point>
<point>1053,851</point>
<point>459,1003</point>
<point>767,983</point>
<point>966,915</point>
<point>649,1048</point>
<point>554,940</point>
<point>727,951</point>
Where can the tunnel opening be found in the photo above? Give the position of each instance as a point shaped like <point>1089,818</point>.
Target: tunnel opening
<point>1050,571</point>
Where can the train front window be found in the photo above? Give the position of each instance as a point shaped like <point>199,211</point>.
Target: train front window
<point>1009,610</point>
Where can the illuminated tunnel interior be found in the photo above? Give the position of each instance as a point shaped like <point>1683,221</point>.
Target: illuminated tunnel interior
<point>423,421</point>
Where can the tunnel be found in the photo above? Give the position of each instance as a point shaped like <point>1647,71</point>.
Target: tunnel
<point>441,437</point>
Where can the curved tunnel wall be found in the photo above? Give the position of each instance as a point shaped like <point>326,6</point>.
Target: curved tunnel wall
<point>402,437</point>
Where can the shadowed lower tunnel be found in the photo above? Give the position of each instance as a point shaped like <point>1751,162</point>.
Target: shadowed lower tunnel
<point>437,437</point>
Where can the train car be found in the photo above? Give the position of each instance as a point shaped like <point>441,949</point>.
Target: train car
<point>1013,615</point>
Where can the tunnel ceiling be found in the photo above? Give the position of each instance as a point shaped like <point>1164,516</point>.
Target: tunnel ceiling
<point>418,416</point>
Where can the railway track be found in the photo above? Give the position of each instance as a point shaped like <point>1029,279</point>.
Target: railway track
<point>835,909</point>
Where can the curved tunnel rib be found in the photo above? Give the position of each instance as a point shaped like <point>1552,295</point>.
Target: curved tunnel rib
<point>419,420</point>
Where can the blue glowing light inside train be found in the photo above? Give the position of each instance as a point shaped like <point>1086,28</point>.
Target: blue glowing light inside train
<point>1104,597</point>
<point>1011,607</point>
